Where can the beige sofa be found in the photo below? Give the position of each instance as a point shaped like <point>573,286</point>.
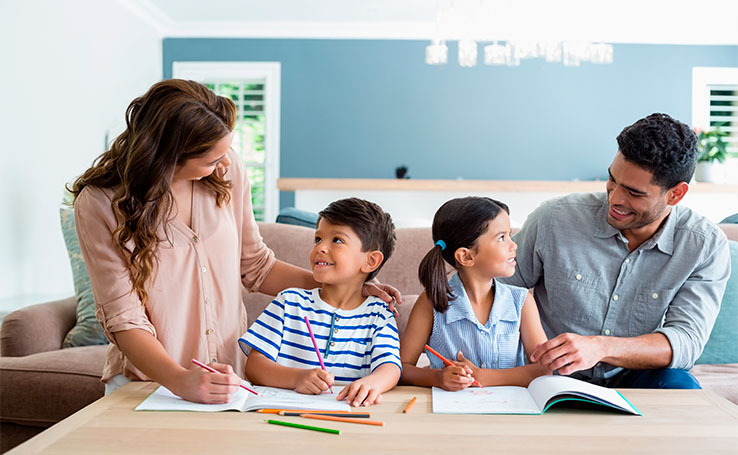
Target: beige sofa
<point>41,384</point>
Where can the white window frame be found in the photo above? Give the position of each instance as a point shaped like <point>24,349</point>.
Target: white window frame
<point>235,71</point>
<point>702,79</point>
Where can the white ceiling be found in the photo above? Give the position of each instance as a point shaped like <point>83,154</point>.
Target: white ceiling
<point>619,21</point>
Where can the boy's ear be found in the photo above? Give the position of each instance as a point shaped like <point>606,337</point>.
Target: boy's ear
<point>373,260</point>
<point>464,257</point>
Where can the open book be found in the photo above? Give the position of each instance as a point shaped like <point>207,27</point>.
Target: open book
<point>271,398</point>
<point>542,393</point>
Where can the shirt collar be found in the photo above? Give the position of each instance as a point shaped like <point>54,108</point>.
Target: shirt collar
<point>460,307</point>
<point>663,238</point>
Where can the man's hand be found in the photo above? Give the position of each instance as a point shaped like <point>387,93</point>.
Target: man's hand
<point>314,381</point>
<point>569,352</point>
<point>385,292</point>
<point>362,392</point>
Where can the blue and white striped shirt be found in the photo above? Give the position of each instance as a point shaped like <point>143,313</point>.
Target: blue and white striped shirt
<point>352,342</point>
<point>495,345</point>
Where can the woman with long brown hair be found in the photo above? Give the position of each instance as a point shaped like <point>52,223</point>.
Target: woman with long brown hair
<point>165,222</point>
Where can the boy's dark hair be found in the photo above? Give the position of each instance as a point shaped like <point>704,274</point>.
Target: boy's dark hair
<point>665,147</point>
<point>372,224</point>
<point>458,223</point>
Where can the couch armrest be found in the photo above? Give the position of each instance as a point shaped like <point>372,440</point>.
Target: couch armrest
<point>37,328</point>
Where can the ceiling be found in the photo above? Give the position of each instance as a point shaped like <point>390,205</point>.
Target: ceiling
<point>622,21</point>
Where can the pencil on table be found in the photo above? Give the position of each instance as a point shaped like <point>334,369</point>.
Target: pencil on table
<point>447,362</point>
<point>353,415</point>
<point>309,411</point>
<point>303,427</point>
<point>342,419</point>
<point>409,405</point>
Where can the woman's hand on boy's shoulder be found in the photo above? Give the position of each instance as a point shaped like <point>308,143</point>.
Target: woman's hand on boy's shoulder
<point>384,292</point>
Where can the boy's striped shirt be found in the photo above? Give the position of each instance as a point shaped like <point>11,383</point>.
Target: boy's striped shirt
<point>353,343</point>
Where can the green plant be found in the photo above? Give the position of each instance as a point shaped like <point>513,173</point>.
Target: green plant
<point>711,145</point>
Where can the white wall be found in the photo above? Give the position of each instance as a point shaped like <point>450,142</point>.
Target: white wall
<point>69,70</point>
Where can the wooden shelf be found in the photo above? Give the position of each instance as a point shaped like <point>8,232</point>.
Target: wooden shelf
<point>480,186</point>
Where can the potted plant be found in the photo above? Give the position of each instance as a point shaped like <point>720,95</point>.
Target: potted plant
<point>712,151</point>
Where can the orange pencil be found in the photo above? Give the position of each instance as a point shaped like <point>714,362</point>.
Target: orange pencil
<point>447,362</point>
<point>409,405</point>
<point>342,419</point>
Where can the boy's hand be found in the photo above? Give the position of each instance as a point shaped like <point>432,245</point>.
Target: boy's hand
<point>362,392</point>
<point>456,377</point>
<point>313,382</point>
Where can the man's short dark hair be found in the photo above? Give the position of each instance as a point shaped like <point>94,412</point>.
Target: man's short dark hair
<point>373,226</point>
<point>665,147</point>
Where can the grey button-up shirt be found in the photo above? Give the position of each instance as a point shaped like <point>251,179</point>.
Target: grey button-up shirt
<point>587,282</point>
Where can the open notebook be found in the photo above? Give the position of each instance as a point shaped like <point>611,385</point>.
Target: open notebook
<point>272,398</point>
<point>542,393</point>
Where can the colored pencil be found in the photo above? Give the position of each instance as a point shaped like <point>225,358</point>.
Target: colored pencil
<point>317,351</point>
<point>303,427</point>
<point>212,370</point>
<point>447,362</point>
<point>342,419</point>
<point>353,415</point>
<point>307,411</point>
<point>409,405</point>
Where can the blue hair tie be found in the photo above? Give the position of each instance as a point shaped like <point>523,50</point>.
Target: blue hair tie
<point>442,244</point>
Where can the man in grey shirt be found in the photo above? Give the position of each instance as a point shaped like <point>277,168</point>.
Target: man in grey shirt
<point>628,283</point>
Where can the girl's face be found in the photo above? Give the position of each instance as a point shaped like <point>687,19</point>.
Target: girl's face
<point>495,251</point>
<point>205,164</point>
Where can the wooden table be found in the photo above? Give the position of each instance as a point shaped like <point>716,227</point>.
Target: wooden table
<point>673,421</point>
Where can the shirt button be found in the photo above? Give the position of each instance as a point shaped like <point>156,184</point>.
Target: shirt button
<point>209,332</point>
<point>212,360</point>
<point>627,260</point>
<point>578,277</point>
<point>615,297</point>
<point>335,330</point>
<point>607,331</point>
<point>206,301</point>
<point>204,269</point>
<point>655,295</point>
<point>333,343</point>
<point>194,239</point>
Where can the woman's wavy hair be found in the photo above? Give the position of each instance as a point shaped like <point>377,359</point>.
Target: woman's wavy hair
<point>458,223</point>
<point>176,120</point>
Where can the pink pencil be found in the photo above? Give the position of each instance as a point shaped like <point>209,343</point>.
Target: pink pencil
<point>212,370</point>
<point>317,351</point>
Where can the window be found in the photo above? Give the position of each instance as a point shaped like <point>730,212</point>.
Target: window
<point>715,102</point>
<point>255,88</point>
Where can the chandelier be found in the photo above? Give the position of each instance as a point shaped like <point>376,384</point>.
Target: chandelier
<point>475,23</point>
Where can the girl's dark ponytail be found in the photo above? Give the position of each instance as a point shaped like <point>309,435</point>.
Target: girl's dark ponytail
<point>432,275</point>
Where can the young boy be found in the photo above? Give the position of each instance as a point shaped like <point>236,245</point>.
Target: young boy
<point>357,336</point>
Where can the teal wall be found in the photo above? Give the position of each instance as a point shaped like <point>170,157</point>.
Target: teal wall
<point>359,108</point>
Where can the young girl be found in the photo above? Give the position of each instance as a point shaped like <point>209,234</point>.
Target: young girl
<point>481,325</point>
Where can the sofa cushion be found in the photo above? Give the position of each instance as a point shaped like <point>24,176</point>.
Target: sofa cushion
<point>36,388</point>
<point>722,346</point>
<point>87,331</point>
<point>291,215</point>
<point>721,379</point>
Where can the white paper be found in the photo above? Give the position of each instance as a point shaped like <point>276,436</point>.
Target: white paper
<point>164,400</point>
<point>488,400</point>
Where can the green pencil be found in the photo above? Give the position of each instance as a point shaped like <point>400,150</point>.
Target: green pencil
<point>304,427</point>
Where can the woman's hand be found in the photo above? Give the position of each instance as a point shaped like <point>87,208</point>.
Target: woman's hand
<point>384,292</point>
<point>201,386</point>
<point>314,381</point>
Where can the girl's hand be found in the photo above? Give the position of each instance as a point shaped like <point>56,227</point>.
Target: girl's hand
<point>201,386</point>
<point>361,392</point>
<point>470,367</point>
<point>456,377</point>
<point>383,291</point>
<point>313,382</point>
